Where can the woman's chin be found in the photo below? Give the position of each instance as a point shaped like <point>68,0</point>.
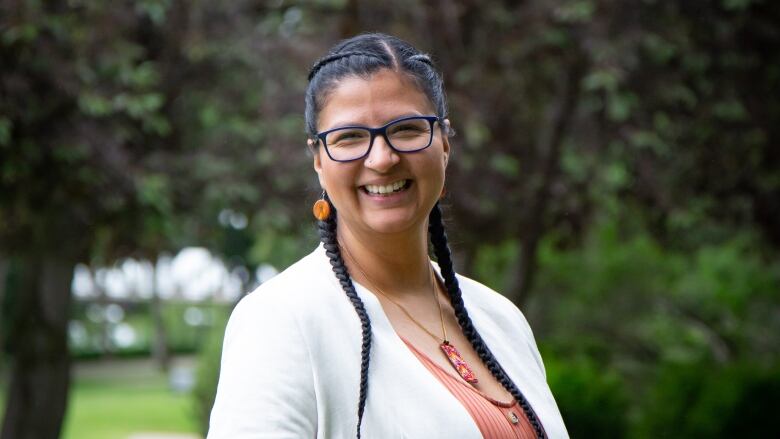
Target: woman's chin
<point>390,223</point>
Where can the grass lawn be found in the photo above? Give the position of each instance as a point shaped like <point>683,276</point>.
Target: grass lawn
<point>116,400</point>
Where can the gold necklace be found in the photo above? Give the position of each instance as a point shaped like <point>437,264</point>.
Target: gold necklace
<point>454,357</point>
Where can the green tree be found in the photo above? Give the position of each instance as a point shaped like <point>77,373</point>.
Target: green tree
<point>125,130</point>
<point>71,164</point>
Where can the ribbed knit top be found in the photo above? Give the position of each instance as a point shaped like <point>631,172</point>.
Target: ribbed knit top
<point>495,419</point>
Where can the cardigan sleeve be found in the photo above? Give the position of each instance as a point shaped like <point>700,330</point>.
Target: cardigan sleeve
<point>266,386</point>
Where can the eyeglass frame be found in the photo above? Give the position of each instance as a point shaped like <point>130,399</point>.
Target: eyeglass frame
<point>373,132</point>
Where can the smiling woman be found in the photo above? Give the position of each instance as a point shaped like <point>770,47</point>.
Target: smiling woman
<point>366,335</point>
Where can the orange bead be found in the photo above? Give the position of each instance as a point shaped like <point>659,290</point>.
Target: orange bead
<point>321,210</point>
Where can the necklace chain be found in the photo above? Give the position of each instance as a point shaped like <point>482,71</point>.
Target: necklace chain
<point>401,307</point>
<point>452,354</point>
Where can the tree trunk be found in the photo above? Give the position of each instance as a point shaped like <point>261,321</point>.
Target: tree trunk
<point>4,269</point>
<point>101,299</point>
<point>350,19</point>
<point>4,263</point>
<point>160,342</point>
<point>3,274</point>
<point>40,364</point>
<point>550,141</point>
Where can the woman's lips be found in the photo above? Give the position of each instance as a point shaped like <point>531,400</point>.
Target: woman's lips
<point>386,190</point>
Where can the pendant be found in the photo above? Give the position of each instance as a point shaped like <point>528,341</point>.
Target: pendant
<point>458,363</point>
<point>513,418</point>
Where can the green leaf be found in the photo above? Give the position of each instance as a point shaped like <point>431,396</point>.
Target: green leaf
<point>575,11</point>
<point>505,165</point>
<point>736,5</point>
<point>619,106</point>
<point>730,110</point>
<point>5,131</point>
<point>23,33</point>
<point>477,134</point>
<point>601,79</point>
<point>95,105</point>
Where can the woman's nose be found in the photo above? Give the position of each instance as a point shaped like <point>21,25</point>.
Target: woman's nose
<point>381,157</point>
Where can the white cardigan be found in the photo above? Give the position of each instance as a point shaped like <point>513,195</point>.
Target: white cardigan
<point>291,365</point>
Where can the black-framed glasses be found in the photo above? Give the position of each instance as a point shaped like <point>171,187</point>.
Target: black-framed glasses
<point>407,134</point>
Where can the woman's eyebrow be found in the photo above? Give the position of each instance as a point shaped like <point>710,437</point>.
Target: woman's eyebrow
<point>350,123</point>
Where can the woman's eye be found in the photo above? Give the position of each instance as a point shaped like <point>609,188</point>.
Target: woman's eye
<point>349,136</point>
<point>408,128</point>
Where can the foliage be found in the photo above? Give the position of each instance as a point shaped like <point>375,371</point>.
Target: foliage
<point>3,391</point>
<point>675,336</point>
<point>675,305</point>
<point>702,401</point>
<point>592,400</point>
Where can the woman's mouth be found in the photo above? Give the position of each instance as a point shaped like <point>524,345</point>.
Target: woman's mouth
<point>386,190</point>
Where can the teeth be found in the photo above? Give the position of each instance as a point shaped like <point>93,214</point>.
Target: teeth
<point>385,189</point>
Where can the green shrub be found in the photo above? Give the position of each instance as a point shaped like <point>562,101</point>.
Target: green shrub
<point>591,399</point>
<point>624,301</point>
<point>710,401</point>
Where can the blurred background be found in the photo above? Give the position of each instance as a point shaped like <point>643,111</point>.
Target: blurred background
<point>615,173</point>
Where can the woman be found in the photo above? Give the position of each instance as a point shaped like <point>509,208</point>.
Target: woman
<point>430,353</point>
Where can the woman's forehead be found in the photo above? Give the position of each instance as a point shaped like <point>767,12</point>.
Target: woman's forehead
<point>372,100</point>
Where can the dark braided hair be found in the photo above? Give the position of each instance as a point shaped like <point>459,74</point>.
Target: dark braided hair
<point>364,55</point>
<point>442,251</point>
<point>330,242</point>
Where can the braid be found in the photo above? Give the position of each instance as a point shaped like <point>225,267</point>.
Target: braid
<point>328,238</point>
<point>329,59</point>
<point>444,258</point>
<point>421,58</point>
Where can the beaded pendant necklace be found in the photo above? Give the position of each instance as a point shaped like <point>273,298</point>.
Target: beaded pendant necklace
<point>452,354</point>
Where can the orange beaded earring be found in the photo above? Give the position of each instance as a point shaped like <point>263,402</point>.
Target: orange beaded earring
<point>321,208</point>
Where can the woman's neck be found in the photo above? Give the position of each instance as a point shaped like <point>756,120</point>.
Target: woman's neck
<point>397,265</point>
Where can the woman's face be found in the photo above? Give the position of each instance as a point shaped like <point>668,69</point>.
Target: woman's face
<point>352,186</point>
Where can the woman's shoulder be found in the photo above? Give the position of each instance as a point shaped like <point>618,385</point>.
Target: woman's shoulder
<point>483,296</point>
<point>498,317</point>
<point>481,299</point>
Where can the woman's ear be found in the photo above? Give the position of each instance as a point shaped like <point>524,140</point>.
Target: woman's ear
<point>445,141</point>
<point>317,160</point>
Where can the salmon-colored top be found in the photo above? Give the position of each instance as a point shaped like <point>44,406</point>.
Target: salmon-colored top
<point>493,418</point>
